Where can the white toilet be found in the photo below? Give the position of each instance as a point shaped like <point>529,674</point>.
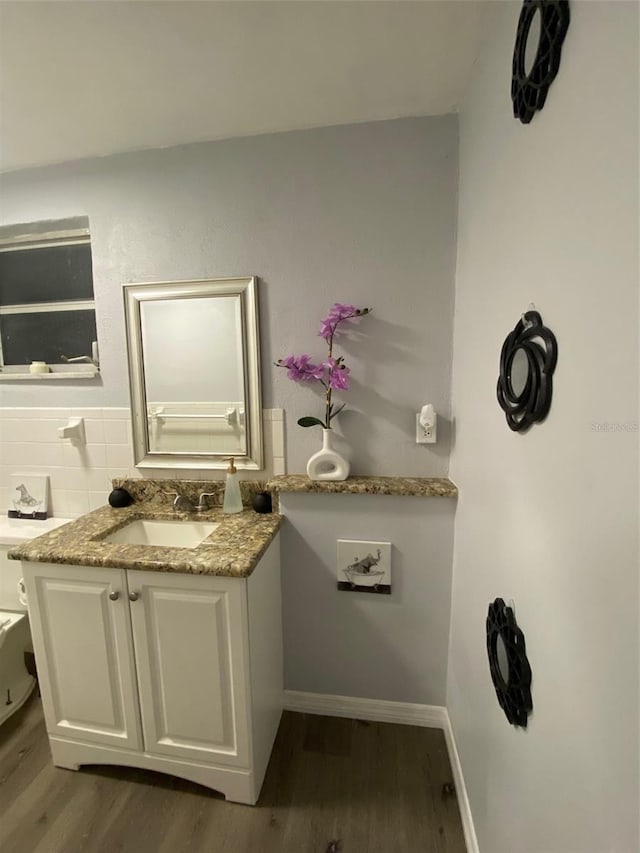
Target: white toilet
<point>16,683</point>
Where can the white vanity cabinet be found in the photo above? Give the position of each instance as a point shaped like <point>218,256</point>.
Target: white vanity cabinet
<point>190,655</point>
<point>173,672</point>
<point>84,652</point>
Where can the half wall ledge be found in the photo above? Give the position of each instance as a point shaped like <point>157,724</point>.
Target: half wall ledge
<point>428,487</point>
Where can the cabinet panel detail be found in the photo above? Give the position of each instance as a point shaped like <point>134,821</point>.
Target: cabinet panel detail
<point>72,611</point>
<point>190,650</point>
<point>84,637</point>
<point>195,705</point>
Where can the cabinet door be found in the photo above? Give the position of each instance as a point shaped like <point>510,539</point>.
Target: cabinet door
<point>84,652</point>
<point>190,650</point>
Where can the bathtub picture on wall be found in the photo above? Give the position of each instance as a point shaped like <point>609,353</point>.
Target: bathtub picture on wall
<point>28,496</point>
<point>364,566</point>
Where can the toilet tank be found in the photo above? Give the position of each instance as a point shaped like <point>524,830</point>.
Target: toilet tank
<point>12,532</point>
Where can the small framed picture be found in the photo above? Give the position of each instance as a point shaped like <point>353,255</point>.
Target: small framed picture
<point>364,566</point>
<point>29,496</point>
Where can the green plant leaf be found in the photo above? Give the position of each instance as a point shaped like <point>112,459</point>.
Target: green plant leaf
<point>337,411</point>
<point>309,422</point>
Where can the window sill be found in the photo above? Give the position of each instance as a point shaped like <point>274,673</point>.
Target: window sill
<point>58,372</point>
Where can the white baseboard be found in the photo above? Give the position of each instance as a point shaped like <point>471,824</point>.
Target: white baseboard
<point>378,710</point>
<point>468,828</point>
<point>404,713</point>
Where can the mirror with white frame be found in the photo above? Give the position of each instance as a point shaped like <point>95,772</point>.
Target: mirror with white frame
<point>194,372</point>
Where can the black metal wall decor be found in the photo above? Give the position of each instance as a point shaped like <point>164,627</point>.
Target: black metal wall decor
<point>508,664</point>
<point>527,361</point>
<point>542,26</point>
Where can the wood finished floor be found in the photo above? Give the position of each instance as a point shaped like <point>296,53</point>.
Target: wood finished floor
<point>333,786</point>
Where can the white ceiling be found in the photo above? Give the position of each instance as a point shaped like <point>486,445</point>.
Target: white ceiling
<point>81,79</point>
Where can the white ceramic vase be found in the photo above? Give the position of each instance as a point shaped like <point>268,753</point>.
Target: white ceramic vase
<point>327,464</point>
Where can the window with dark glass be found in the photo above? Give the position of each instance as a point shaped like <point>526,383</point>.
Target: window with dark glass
<point>47,308</point>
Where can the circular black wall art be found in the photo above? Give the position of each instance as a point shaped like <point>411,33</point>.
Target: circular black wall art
<point>508,664</point>
<point>542,26</point>
<point>527,361</point>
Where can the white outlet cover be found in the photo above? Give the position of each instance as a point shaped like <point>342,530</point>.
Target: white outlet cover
<point>364,566</point>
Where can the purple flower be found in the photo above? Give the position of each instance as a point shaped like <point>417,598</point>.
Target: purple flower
<point>337,313</point>
<point>341,311</point>
<point>338,374</point>
<point>301,368</point>
<point>333,374</point>
<point>327,328</point>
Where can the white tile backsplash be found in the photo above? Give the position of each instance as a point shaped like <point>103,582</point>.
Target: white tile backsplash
<point>70,503</point>
<point>30,455</point>
<point>80,475</point>
<point>98,499</point>
<point>84,455</point>
<point>117,431</point>
<point>94,430</point>
<point>118,414</point>
<point>119,456</point>
<point>45,430</point>
<point>67,478</point>
<point>99,479</point>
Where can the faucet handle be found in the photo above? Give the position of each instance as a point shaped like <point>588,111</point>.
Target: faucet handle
<point>202,504</point>
<point>181,503</point>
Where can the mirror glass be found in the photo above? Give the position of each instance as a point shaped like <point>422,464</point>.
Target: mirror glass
<point>519,371</point>
<point>194,373</point>
<point>503,659</point>
<point>533,40</point>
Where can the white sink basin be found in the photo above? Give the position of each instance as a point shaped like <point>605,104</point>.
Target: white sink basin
<point>171,534</point>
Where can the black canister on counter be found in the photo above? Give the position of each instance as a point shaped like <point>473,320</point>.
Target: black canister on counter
<point>120,498</point>
<point>262,502</point>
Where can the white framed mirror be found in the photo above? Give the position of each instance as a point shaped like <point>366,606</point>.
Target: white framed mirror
<point>194,373</point>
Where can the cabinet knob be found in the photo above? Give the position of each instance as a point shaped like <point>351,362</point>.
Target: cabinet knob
<point>114,596</point>
<point>133,596</point>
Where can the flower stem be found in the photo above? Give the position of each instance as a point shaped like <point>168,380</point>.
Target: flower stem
<point>327,413</point>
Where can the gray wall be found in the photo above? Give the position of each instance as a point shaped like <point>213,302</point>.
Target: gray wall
<point>358,644</point>
<point>363,214</point>
<point>549,214</point>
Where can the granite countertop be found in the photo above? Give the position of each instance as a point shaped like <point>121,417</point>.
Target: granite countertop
<point>232,550</point>
<point>409,486</point>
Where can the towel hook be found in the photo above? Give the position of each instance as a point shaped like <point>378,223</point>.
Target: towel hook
<point>527,323</point>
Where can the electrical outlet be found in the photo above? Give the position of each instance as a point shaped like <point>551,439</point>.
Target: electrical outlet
<point>425,435</point>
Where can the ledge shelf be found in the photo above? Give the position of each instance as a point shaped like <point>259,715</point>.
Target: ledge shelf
<point>439,487</point>
<point>88,372</point>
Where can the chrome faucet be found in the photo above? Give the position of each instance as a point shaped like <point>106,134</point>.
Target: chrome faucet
<point>181,503</point>
<point>203,506</point>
